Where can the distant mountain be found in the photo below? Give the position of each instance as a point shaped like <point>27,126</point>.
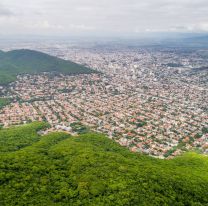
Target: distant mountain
<point>175,40</point>
<point>24,61</point>
<point>198,41</point>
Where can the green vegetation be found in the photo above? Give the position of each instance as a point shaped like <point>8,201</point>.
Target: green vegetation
<point>16,138</point>
<point>58,169</point>
<point>198,135</point>
<point>205,130</point>
<point>79,128</point>
<point>4,102</point>
<point>24,61</point>
<point>170,152</point>
<point>141,123</point>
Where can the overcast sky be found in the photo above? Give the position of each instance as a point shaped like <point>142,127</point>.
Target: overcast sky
<point>72,17</point>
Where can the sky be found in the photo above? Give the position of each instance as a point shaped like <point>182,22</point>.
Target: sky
<point>102,17</point>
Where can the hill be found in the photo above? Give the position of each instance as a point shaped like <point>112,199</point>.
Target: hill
<point>58,169</point>
<point>23,61</point>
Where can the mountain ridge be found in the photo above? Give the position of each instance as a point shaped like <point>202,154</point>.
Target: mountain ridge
<point>23,61</point>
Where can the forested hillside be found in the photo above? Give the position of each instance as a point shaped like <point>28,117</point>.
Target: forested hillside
<point>24,61</point>
<point>58,169</point>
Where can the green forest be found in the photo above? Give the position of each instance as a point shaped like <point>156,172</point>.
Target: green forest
<point>26,61</point>
<point>4,102</point>
<point>90,169</point>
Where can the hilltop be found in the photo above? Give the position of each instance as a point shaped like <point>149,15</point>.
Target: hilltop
<point>90,169</point>
<point>23,61</point>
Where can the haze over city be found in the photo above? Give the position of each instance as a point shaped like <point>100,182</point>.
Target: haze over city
<point>102,18</point>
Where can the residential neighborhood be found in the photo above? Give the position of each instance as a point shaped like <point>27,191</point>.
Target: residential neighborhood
<point>151,101</point>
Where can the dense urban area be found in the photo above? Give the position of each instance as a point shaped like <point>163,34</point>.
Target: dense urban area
<point>151,100</point>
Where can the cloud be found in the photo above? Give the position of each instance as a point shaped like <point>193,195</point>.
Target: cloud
<point>200,27</point>
<point>203,26</point>
<point>104,16</point>
<point>4,12</point>
<point>45,25</point>
<point>81,27</point>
